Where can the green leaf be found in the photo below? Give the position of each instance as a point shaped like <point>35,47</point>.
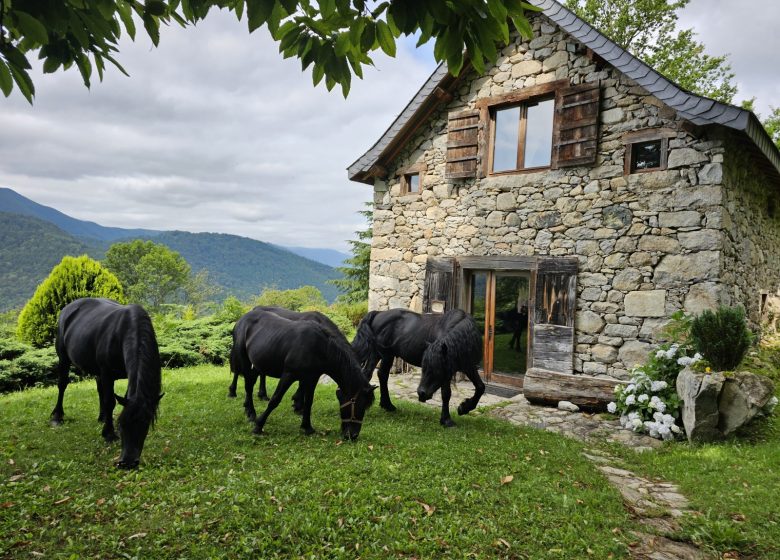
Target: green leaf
<point>23,82</point>
<point>368,37</point>
<point>51,64</point>
<point>523,26</point>
<point>155,7</point>
<point>6,81</point>
<point>327,8</point>
<point>342,44</point>
<point>85,68</point>
<point>258,12</point>
<point>31,27</point>
<point>152,26</point>
<point>385,37</point>
<point>126,14</point>
<point>317,73</point>
<point>497,9</point>
<point>14,56</point>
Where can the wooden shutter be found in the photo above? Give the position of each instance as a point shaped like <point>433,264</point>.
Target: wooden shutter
<point>439,288</point>
<point>577,122</point>
<point>552,317</point>
<point>463,153</point>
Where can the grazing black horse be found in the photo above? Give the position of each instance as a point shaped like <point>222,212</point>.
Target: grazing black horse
<point>298,351</point>
<point>442,344</point>
<point>314,316</point>
<point>100,337</point>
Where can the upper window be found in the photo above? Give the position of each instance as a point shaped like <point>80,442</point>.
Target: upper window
<point>646,155</point>
<point>412,183</point>
<point>411,178</point>
<point>646,150</point>
<point>522,137</point>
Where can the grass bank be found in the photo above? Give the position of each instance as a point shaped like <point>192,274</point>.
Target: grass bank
<point>207,488</point>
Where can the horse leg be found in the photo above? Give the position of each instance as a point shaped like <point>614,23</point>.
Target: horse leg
<point>384,374</point>
<point>306,388</point>
<point>479,389</point>
<point>232,386</point>
<point>298,400</point>
<point>107,409</point>
<point>262,392</point>
<point>285,381</point>
<point>249,404</point>
<point>63,368</point>
<point>101,415</point>
<point>446,393</point>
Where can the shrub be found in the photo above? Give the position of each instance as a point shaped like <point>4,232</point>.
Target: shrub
<point>231,310</point>
<point>72,278</point>
<point>176,357</point>
<point>722,337</point>
<point>35,366</point>
<point>352,311</point>
<point>305,297</point>
<point>648,405</point>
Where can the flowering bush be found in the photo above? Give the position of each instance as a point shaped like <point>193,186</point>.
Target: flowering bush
<point>669,360</point>
<point>647,405</point>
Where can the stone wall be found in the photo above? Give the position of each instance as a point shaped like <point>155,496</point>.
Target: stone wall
<point>751,228</point>
<point>648,244</point>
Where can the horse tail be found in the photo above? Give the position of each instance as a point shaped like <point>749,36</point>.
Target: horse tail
<point>364,344</point>
<point>459,349</point>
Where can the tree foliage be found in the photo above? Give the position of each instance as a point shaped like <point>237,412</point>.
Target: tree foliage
<point>72,278</point>
<point>304,298</point>
<point>333,37</point>
<point>648,30</point>
<point>771,122</point>
<point>354,283</point>
<point>151,273</point>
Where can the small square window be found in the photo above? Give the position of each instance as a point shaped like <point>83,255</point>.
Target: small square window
<point>410,183</point>
<point>647,155</point>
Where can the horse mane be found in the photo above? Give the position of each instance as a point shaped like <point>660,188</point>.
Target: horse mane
<point>344,358</point>
<point>458,349</point>
<point>364,343</point>
<point>143,370</point>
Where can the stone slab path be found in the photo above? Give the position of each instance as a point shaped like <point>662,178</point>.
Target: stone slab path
<point>655,504</point>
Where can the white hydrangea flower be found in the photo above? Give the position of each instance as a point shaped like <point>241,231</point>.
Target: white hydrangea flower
<point>612,408</point>
<point>623,420</point>
<point>658,416</point>
<point>660,354</point>
<point>630,399</point>
<point>633,415</point>
<point>675,428</point>
<point>636,424</point>
<point>656,386</point>
<point>631,388</point>
<point>684,361</point>
<point>668,419</point>
<point>643,398</point>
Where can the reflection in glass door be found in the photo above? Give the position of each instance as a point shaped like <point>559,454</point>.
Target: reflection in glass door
<point>498,302</point>
<point>510,346</point>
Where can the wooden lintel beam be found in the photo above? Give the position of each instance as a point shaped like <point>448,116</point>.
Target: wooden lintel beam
<point>442,94</point>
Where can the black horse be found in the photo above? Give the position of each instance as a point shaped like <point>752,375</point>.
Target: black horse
<point>442,344</point>
<point>100,337</point>
<point>298,351</point>
<point>314,316</point>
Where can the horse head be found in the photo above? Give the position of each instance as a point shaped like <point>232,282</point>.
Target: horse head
<point>134,423</point>
<point>353,409</point>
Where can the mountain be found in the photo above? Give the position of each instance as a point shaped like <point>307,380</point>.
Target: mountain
<point>34,238</point>
<point>13,202</point>
<point>29,249</point>
<point>330,257</point>
<point>243,266</point>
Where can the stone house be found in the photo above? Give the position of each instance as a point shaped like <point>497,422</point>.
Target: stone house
<point>571,199</point>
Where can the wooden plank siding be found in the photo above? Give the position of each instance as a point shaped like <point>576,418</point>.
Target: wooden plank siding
<point>463,154</point>
<point>575,135</point>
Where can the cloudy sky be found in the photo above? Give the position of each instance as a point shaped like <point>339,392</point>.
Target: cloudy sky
<point>214,131</point>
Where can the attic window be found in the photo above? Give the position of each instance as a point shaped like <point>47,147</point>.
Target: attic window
<point>412,178</point>
<point>646,150</point>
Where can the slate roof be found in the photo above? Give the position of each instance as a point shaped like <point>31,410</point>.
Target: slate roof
<point>698,110</point>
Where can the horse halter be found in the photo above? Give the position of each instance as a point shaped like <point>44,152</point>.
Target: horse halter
<point>351,402</point>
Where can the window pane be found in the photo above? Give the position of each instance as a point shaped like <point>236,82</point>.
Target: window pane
<point>414,182</point>
<point>646,155</point>
<point>538,136</point>
<point>505,145</point>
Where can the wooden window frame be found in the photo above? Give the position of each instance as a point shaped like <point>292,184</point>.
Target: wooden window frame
<point>418,169</point>
<point>522,97</point>
<point>630,139</point>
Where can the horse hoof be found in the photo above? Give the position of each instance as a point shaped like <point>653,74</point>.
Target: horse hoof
<point>54,422</point>
<point>110,438</point>
<point>298,411</point>
<point>258,431</point>
<point>231,394</point>
<point>309,431</point>
<point>389,407</point>
<point>462,410</point>
<point>448,423</point>
<point>251,417</point>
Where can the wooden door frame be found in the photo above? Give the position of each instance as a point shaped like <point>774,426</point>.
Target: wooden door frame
<point>493,266</point>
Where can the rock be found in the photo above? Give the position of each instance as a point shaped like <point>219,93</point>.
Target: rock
<point>568,406</point>
<point>611,116</point>
<point>604,353</point>
<point>506,201</point>
<point>701,240</point>
<point>685,218</point>
<point>617,217</point>
<point>674,269</point>
<point>706,295</point>
<point>711,174</point>
<point>558,59</point>
<point>683,157</point>
<point>542,220</point>
<point>589,322</point>
<point>646,303</point>
<point>526,68</point>
<point>634,353</point>
<point>742,398</point>
<point>699,393</point>
<point>627,280</point>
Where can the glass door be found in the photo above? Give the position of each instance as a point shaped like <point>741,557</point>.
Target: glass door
<point>498,301</point>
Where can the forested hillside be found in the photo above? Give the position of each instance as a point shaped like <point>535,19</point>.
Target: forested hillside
<point>29,248</point>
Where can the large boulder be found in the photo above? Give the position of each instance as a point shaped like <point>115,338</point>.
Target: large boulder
<point>715,405</point>
<point>744,396</point>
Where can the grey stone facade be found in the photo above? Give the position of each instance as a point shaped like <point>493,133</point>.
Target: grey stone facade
<point>699,233</point>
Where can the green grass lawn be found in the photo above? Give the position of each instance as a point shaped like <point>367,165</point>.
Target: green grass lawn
<point>733,486</point>
<point>208,488</point>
